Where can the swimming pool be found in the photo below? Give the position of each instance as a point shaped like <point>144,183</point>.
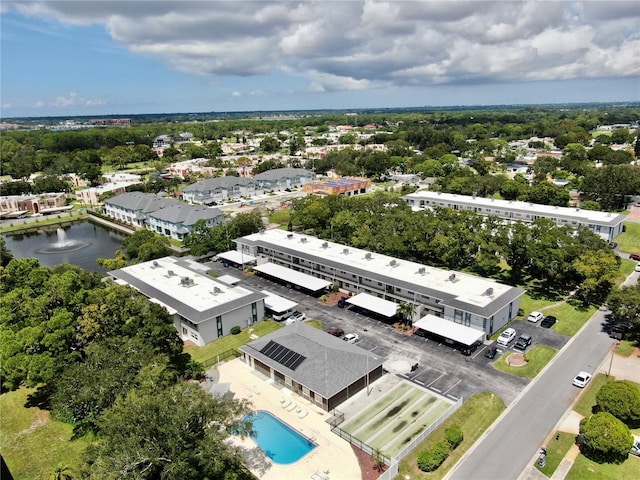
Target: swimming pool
<point>281,443</point>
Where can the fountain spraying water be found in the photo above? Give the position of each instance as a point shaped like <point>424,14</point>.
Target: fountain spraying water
<point>63,244</point>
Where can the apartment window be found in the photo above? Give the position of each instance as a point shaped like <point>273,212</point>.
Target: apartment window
<point>219,325</point>
<point>457,316</point>
<point>467,319</point>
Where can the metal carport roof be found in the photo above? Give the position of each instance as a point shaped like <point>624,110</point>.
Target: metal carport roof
<point>449,329</point>
<point>292,276</point>
<point>237,257</point>
<point>276,303</point>
<point>375,304</point>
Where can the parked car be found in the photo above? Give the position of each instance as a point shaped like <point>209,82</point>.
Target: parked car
<point>342,302</point>
<point>582,379</point>
<point>535,317</point>
<point>523,341</point>
<point>336,332</point>
<point>295,317</point>
<point>635,449</point>
<point>548,321</point>
<point>491,351</point>
<point>351,337</point>
<point>469,349</point>
<point>634,256</point>
<point>638,267</point>
<point>613,244</point>
<point>507,336</point>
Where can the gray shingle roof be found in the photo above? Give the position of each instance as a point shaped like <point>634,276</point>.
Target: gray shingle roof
<point>281,173</point>
<point>210,184</point>
<point>138,201</point>
<point>186,214</point>
<point>330,364</point>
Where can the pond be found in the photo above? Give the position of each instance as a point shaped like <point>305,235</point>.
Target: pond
<point>78,243</point>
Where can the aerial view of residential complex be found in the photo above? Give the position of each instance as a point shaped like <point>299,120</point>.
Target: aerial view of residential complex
<point>312,240</point>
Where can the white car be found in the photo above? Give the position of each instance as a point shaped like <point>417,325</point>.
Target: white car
<point>507,336</point>
<point>582,379</point>
<point>535,317</point>
<point>351,338</point>
<point>637,267</point>
<point>295,317</point>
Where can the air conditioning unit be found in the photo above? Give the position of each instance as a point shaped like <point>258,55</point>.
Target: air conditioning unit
<point>345,251</point>
<point>452,277</point>
<point>368,256</point>
<point>422,270</point>
<point>289,235</point>
<point>170,273</point>
<point>155,264</point>
<point>393,263</point>
<point>489,291</point>
<point>216,290</point>
<point>325,245</point>
<point>303,240</point>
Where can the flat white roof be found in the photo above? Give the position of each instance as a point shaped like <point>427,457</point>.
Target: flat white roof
<point>237,257</point>
<point>298,278</point>
<point>449,329</point>
<point>229,279</point>
<point>167,276</point>
<point>276,303</point>
<point>375,304</point>
<point>585,216</point>
<point>467,288</point>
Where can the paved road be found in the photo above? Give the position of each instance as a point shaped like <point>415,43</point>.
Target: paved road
<point>507,448</point>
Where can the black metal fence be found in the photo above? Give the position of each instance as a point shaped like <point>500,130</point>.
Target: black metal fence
<point>222,357</point>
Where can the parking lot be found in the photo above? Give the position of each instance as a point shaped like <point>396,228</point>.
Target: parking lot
<point>441,368</point>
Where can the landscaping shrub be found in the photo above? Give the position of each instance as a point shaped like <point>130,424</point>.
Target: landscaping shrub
<point>431,459</point>
<point>622,400</point>
<point>454,436</point>
<point>235,330</point>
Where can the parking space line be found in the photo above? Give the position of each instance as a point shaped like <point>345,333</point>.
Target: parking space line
<point>448,389</point>
<point>372,349</point>
<point>441,375</point>
<point>483,349</point>
<point>451,396</point>
<point>436,389</point>
<point>419,382</point>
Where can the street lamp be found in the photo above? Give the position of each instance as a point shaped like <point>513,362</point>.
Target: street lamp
<point>613,348</point>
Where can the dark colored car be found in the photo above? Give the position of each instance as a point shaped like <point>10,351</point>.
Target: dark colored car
<point>342,302</point>
<point>491,351</point>
<point>613,244</point>
<point>523,342</point>
<point>548,321</point>
<point>634,256</point>
<point>469,349</point>
<point>336,332</point>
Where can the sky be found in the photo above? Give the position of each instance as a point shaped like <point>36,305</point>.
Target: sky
<point>68,58</point>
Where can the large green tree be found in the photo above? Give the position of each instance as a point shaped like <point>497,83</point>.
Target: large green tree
<point>621,399</point>
<point>179,433</point>
<point>604,439</point>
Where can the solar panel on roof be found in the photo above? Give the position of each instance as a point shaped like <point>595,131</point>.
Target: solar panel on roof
<point>283,355</point>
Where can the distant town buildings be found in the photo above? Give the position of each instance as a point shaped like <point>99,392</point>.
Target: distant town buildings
<point>15,206</point>
<point>344,186</point>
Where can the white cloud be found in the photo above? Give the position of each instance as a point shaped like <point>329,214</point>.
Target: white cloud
<point>353,45</point>
<point>236,94</point>
<point>70,100</point>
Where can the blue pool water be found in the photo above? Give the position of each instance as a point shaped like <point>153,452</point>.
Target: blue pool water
<point>281,443</point>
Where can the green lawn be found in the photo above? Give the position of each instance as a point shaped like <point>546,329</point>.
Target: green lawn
<point>314,323</point>
<point>625,347</point>
<point>570,318</point>
<point>588,398</point>
<point>33,444</point>
<point>584,468</point>
<point>539,356</point>
<point>228,342</point>
<point>280,216</point>
<point>474,417</point>
<point>556,450</point>
<point>629,241</point>
<point>528,304</point>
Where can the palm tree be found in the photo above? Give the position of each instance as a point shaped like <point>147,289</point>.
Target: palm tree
<point>405,311</point>
<point>378,461</point>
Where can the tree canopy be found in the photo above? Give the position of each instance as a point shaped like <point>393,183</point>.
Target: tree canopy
<point>604,439</point>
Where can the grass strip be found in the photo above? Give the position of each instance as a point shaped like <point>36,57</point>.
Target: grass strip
<point>583,468</point>
<point>211,350</point>
<point>556,450</point>
<point>587,399</point>
<point>570,318</point>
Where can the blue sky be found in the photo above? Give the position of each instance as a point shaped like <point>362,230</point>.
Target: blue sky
<point>116,57</point>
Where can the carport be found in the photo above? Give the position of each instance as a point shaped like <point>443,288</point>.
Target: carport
<point>449,329</point>
<point>374,304</point>
<point>276,303</point>
<point>292,276</point>
<point>237,257</point>
<point>229,280</point>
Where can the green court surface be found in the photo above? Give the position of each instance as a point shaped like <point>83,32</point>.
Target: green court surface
<point>394,420</point>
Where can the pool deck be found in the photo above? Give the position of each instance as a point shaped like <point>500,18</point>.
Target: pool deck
<point>332,459</point>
